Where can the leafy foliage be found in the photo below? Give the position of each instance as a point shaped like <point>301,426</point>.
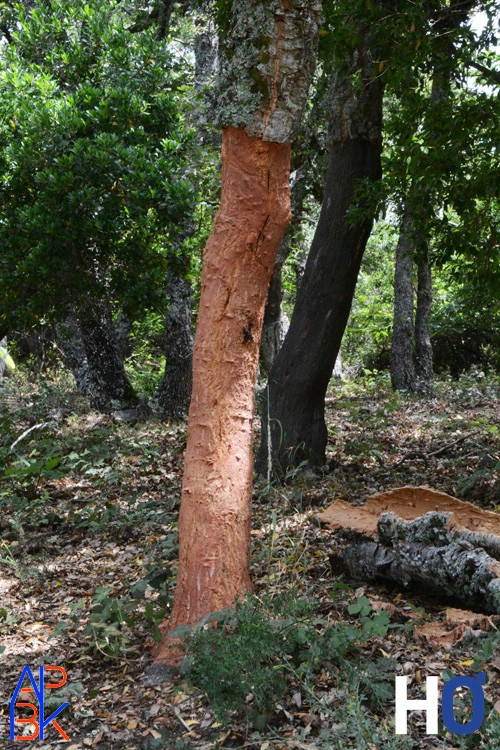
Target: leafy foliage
<point>92,159</point>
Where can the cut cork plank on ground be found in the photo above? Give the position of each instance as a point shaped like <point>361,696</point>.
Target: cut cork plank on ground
<point>415,535</point>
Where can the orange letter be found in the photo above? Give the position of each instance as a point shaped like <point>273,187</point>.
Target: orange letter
<point>60,730</point>
<point>55,685</point>
<point>29,721</point>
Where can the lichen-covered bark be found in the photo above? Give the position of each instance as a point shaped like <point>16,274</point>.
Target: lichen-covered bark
<point>267,62</point>
<point>214,523</point>
<point>109,385</point>
<point>69,339</point>
<point>425,552</point>
<point>403,376</point>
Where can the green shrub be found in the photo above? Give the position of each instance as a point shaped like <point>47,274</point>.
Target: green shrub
<point>245,663</point>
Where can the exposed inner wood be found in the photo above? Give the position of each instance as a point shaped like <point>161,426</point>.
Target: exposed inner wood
<point>214,522</point>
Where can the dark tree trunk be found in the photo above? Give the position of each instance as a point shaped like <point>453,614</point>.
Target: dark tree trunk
<point>70,342</point>
<point>100,376</point>
<point>275,325</point>
<point>109,386</point>
<point>174,393</point>
<point>123,329</point>
<point>423,346</point>
<point>403,376</point>
<point>165,9</point>
<point>300,375</point>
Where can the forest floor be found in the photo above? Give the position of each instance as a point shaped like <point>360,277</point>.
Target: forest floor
<point>88,510</point>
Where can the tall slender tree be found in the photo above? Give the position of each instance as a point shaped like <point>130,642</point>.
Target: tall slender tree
<point>268,58</point>
<point>411,358</point>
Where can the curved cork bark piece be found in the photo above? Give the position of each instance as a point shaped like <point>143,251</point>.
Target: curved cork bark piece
<point>409,503</point>
<point>238,260</point>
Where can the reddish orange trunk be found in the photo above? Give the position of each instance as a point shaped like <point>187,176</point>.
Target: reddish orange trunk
<point>238,260</point>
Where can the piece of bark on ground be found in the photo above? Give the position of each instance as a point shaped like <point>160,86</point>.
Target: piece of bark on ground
<point>414,535</point>
<point>459,625</point>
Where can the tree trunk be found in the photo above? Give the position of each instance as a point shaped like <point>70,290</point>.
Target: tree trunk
<point>165,8</point>
<point>303,368</point>
<point>92,347</point>
<point>274,327</point>
<point>171,401</point>
<point>403,377</point>
<point>123,329</point>
<point>69,339</point>
<point>109,387</point>
<point>268,62</point>
<point>423,346</point>
<point>214,523</point>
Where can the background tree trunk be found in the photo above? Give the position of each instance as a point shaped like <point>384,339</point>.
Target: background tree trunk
<point>302,370</point>
<point>403,377</point>
<point>109,387</point>
<point>171,401</point>
<point>93,348</point>
<point>69,339</point>
<point>423,346</point>
<point>123,329</point>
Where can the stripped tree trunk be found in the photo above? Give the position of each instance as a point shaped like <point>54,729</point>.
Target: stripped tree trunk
<point>403,377</point>
<point>270,54</point>
<point>297,385</point>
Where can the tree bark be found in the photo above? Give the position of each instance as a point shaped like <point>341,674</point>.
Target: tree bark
<point>403,376</point>
<point>302,370</point>
<point>165,8</point>
<point>423,347</point>
<point>424,552</point>
<point>69,339</point>
<point>109,387</point>
<point>416,535</point>
<point>93,349</point>
<point>274,327</point>
<point>171,401</point>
